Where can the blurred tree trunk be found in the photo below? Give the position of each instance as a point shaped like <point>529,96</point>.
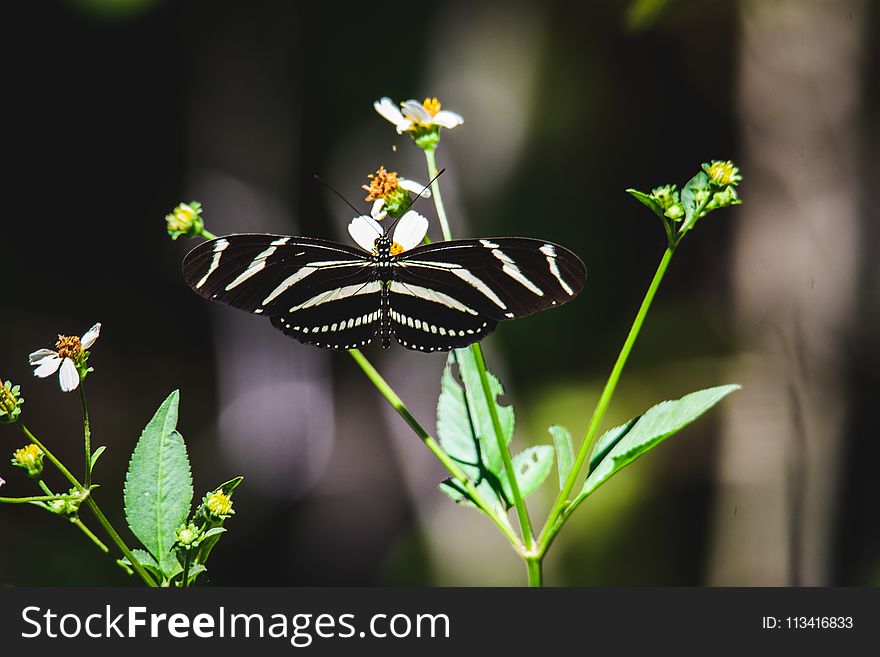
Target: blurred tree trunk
<point>795,274</point>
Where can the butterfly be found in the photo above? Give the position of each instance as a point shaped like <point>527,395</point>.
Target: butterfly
<point>429,297</point>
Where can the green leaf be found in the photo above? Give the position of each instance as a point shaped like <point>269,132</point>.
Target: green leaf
<point>96,455</point>
<point>465,430</point>
<point>147,561</point>
<point>531,466</point>
<point>158,485</point>
<point>564,452</point>
<point>641,434</point>
<point>608,440</point>
<point>648,201</point>
<point>229,486</point>
<point>458,494</point>
<point>478,409</point>
<point>194,571</point>
<point>691,196</point>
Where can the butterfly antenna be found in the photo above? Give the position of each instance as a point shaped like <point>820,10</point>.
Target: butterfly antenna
<point>418,196</point>
<point>319,179</point>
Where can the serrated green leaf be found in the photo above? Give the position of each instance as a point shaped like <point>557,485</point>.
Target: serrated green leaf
<point>480,418</point>
<point>96,455</point>
<point>147,561</point>
<point>699,183</point>
<point>158,485</point>
<point>564,452</point>
<point>648,430</point>
<point>458,494</point>
<point>647,201</point>
<point>607,441</point>
<point>465,430</point>
<point>531,467</point>
<point>194,571</point>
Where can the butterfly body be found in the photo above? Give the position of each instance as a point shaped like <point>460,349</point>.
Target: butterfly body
<point>429,298</point>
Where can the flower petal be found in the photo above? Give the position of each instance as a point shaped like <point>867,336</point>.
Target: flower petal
<point>88,339</point>
<point>364,230</point>
<point>448,119</point>
<point>376,210</point>
<point>68,377</point>
<point>388,110</point>
<point>415,187</point>
<point>48,366</point>
<point>40,355</point>
<point>413,109</point>
<point>410,230</point>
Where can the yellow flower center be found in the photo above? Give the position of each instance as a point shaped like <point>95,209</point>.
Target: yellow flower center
<point>382,183</point>
<point>721,173</point>
<point>68,346</point>
<point>27,456</point>
<point>219,503</point>
<point>396,249</point>
<point>432,105</point>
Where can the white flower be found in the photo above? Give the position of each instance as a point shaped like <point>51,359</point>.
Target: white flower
<point>408,233</point>
<point>70,350</point>
<point>413,114</point>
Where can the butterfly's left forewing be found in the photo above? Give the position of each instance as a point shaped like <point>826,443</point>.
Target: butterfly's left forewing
<point>316,291</point>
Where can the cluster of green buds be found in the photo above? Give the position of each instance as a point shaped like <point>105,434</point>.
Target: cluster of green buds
<point>195,539</point>
<point>712,188</point>
<point>185,219</point>
<point>68,505</point>
<point>10,402</point>
<point>30,459</point>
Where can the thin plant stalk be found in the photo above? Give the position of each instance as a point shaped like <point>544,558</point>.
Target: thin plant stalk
<point>435,192</point>
<point>447,461</point>
<point>87,433</point>
<point>562,505</point>
<point>96,510</point>
<point>518,501</point>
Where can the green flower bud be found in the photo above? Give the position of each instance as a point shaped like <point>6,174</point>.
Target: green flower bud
<point>30,459</point>
<point>217,506</point>
<point>188,536</point>
<point>10,402</point>
<point>185,219</point>
<point>722,174</point>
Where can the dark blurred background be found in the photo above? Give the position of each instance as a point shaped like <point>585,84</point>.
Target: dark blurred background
<point>120,109</point>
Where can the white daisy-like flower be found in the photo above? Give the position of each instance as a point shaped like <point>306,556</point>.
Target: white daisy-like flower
<point>408,233</point>
<point>70,350</point>
<point>413,114</point>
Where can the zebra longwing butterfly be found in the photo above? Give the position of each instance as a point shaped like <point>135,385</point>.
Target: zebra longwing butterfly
<point>434,297</point>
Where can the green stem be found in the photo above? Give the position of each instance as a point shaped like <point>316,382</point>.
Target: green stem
<point>87,433</point>
<point>535,569</point>
<point>438,200</point>
<point>44,487</point>
<point>28,500</point>
<point>185,582</point>
<point>208,235</point>
<point>553,524</point>
<point>102,519</point>
<point>518,501</point>
<point>88,532</point>
<point>447,461</point>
